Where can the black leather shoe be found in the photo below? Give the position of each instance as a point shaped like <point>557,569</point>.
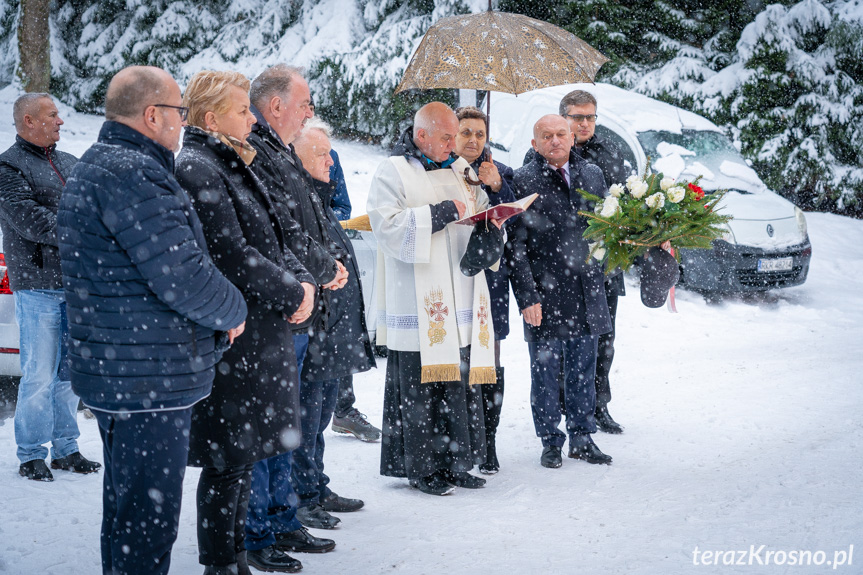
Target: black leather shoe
<point>77,463</point>
<point>605,423</point>
<point>338,504</point>
<point>301,541</point>
<point>433,484</point>
<point>35,470</point>
<point>551,457</point>
<point>586,450</point>
<point>315,517</point>
<point>272,560</point>
<point>461,479</point>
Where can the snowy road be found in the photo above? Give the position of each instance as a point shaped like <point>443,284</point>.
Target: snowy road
<point>743,429</point>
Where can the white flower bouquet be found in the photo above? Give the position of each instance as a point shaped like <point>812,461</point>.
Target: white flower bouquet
<point>649,211</point>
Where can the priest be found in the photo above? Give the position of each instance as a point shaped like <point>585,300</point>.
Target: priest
<point>434,319</point>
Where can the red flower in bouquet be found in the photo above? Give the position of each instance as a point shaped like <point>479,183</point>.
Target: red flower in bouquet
<point>697,191</point>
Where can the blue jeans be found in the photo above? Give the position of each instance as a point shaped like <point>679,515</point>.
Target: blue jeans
<point>273,502</point>
<point>145,462</point>
<point>317,402</point>
<point>47,407</point>
<point>572,363</point>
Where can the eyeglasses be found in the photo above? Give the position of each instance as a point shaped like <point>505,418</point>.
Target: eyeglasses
<point>184,111</point>
<point>579,118</point>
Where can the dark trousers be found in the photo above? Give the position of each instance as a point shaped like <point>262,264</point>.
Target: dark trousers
<point>273,502</point>
<point>223,501</point>
<point>145,462</point>
<point>429,426</point>
<point>346,398</point>
<point>571,362</point>
<point>317,400</point>
<point>604,357</point>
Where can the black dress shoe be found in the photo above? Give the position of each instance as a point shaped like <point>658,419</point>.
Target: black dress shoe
<point>433,484</point>
<point>586,450</point>
<point>301,541</point>
<point>461,479</point>
<point>315,517</point>
<point>77,463</point>
<point>35,470</point>
<point>272,560</point>
<point>339,504</point>
<point>605,423</point>
<point>551,457</point>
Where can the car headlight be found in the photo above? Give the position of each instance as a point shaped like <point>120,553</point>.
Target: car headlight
<point>801,222</point>
<point>728,236</point>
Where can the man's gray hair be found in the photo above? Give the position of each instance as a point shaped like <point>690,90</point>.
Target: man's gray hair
<point>26,104</point>
<point>132,90</point>
<point>316,124</point>
<point>576,98</point>
<point>274,81</point>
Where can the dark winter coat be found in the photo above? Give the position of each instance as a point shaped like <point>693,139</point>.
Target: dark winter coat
<point>301,214</point>
<point>143,298</point>
<point>548,255</point>
<point>344,348</point>
<point>341,201</point>
<point>607,157</point>
<point>253,412</point>
<point>498,282</point>
<point>31,180</point>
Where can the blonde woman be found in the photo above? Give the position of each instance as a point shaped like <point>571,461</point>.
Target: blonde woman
<point>253,411</point>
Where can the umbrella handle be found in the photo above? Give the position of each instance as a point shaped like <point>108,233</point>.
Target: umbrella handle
<point>470,180</point>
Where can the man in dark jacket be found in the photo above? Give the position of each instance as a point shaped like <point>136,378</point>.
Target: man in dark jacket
<point>32,175</point>
<point>338,352</point>
<point>579,108</point>
<point>149,313</point>
<point>560,295</point>
<point>280,101</point>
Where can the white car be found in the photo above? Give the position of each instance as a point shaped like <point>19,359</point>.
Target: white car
<point>766,245</point>
<point>10,364</point>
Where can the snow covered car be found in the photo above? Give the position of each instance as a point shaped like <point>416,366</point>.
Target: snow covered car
<point>10,364</point>
<point>766,245</point>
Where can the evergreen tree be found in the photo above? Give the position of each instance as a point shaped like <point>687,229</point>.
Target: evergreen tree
<point>356,88</point>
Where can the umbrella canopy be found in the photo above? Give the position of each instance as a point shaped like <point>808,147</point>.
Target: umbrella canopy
<point>501,52</point>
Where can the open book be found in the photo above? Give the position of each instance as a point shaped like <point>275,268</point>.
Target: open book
<point>500,211</point>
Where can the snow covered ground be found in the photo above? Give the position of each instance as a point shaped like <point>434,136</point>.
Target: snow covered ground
<point>743,429</point>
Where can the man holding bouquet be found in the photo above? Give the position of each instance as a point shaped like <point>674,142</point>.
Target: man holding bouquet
<point>561,294</point>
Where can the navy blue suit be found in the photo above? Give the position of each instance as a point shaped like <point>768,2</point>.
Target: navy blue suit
<point>548,265</point>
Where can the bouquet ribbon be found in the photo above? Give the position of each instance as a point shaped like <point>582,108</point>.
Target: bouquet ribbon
<point>670,305</point>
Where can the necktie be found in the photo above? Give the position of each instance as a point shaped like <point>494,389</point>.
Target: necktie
<point>562,171</point>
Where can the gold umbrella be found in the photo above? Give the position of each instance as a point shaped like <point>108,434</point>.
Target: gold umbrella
<point>501,52</point>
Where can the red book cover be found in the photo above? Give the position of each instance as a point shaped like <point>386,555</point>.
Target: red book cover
<point>500,211</point>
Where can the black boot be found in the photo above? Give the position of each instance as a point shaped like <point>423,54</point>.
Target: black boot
<point>492,402</point>
<point>604,422</point>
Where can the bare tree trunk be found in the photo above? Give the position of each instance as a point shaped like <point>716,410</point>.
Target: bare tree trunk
<point>33,45</point>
